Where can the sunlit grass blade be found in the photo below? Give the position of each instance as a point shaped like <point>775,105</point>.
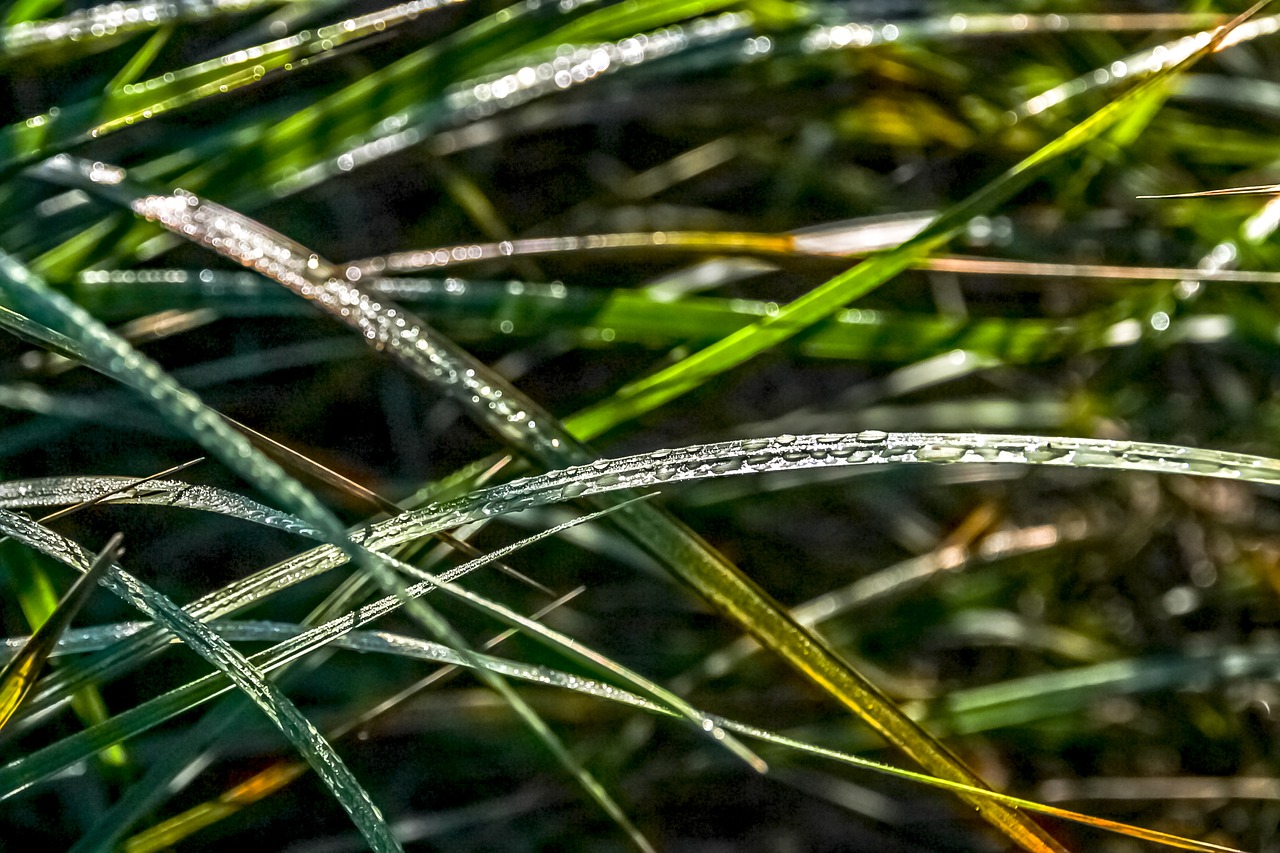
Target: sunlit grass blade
<point>125,486</point>
<point>777,247</point>
<point>83,491</point>
<point>19,674</point>
<point>97,27</point>
<point>1267,189</point>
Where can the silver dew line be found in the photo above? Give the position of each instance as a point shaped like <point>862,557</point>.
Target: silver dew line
<point>702,462</point>
<point>65,491</point>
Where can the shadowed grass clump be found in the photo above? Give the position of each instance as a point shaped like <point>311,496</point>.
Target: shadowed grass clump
<point>807,419</point>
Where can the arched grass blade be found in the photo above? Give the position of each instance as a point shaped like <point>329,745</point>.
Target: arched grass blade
<point>83,491</point>
<point>19,674</point>
<point>727,459</point>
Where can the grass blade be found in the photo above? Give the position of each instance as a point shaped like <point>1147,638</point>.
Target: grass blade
<point>19,674</point>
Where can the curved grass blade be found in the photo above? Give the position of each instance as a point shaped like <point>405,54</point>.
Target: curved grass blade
<point>702,462</point>
<point>53,491</point>
<point>827,243</point>
<point>19,674</point>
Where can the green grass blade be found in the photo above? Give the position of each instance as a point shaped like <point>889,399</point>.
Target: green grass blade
<point>19,674</point>
<point>652,391</point>
<point>141,60</point>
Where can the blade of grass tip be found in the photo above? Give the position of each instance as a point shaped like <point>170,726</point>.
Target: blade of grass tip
<point>61,491</point>
<point>19,674</point>
<point>1266,189</point>
<point>123,487</point>
<point>38,600</point>
<point>300,462</point>
<point>141,60</point>
<point>274,778</point>
<point>648,393</point>
<point>510,414</point>
<point>278,708</point>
